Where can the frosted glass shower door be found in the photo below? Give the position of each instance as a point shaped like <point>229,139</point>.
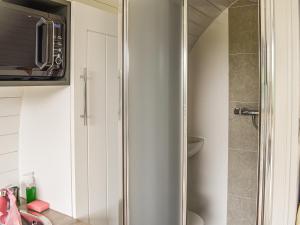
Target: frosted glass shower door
<point>154,96</point>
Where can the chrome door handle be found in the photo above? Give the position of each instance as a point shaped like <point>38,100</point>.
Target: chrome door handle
<point>84,115</point>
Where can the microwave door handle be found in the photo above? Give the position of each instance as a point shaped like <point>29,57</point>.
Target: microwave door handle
<point>41,43</point>
<point>44,48</point>
<point>51,44</point>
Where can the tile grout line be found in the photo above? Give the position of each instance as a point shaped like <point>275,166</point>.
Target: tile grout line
<point>244,6</point>
<point>246,102</point>
<point>243,150</point>
<point>243,53</point>
<point>241,197</point>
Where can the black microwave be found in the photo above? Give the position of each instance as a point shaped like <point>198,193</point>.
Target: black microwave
<point>32,44</point>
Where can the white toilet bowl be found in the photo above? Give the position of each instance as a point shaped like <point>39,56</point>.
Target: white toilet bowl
<point>194,219</point>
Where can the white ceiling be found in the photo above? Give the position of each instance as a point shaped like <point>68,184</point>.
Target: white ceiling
<point>109,2</point>
<point>201,14</point>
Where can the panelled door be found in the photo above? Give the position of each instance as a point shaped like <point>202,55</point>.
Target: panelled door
<point>98,176</point>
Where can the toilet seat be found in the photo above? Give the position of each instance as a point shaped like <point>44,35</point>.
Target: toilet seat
<point>194,219</point>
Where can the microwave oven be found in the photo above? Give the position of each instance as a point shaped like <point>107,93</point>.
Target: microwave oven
<point>32,44</point>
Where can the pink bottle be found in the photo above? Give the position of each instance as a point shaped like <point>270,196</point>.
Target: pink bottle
<point>3,205</point>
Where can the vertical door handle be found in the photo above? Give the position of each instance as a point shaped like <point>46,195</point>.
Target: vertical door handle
<point>84,115</point>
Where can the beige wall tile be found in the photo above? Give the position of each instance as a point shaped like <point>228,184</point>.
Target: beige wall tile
<point>243,92</point>
<point>242,134</point>
<point>239,3</point>
<point>242,177</point>
<point>244,77</point>
<point>243,29</point>
<point>236,104</point>
<point>241,211</point>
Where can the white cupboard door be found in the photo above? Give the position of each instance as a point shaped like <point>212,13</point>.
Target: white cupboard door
<point>114,153</point>
<point>97,125</point>
<point>103,106</point>
<point>97,155</point>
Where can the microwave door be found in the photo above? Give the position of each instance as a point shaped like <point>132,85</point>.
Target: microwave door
<point>17,42</point>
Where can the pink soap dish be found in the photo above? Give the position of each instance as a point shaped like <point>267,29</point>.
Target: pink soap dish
<point>38,206</point>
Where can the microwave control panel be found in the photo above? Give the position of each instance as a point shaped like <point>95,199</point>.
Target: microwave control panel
<point>59,50</point>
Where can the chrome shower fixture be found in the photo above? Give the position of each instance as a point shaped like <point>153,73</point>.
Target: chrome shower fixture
<point>244,111</point>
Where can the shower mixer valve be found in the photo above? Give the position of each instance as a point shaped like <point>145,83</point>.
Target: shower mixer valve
<point>243,111</point>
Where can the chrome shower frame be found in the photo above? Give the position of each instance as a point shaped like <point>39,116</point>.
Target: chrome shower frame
<point>267,100</point>
<point>266,140</point>
<point>123,48</point>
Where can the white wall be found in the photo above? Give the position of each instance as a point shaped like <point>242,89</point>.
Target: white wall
<point>208,117</point>
<point>10,104</point>
<point>284,75</point>
<point>45,143</point>
<point>47,138</point>
<point>35,135</point>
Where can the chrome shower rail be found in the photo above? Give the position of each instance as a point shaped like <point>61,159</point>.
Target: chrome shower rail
<point>266,140</point>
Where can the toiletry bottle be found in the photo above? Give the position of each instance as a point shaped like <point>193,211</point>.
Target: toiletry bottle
<point>30,187</point>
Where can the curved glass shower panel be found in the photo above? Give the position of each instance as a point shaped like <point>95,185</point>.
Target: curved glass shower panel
<point>154,111</point>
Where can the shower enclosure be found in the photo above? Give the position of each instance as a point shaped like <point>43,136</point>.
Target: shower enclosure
<point>154,112</point>
<point>155,50</point>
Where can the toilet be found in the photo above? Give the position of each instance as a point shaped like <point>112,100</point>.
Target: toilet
<point>194,219</point>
